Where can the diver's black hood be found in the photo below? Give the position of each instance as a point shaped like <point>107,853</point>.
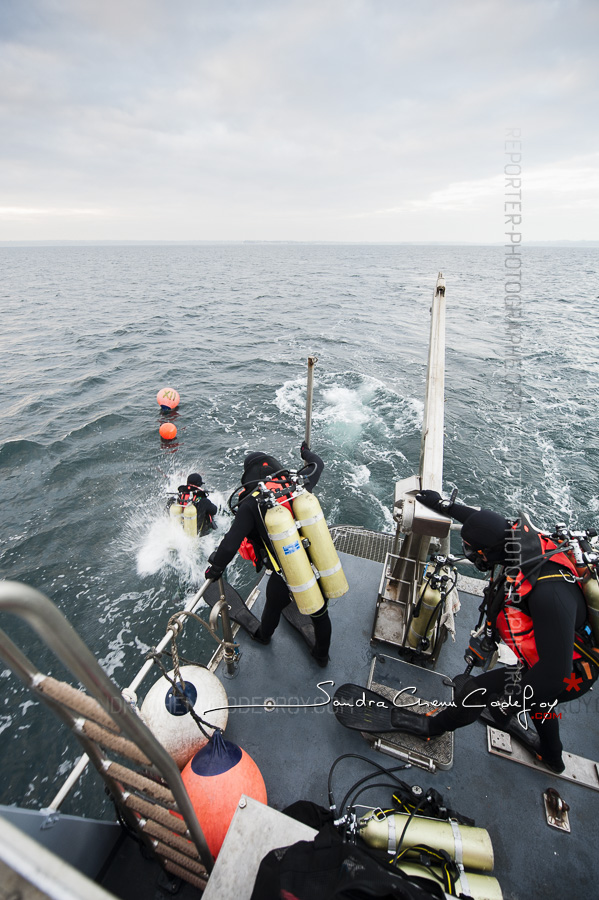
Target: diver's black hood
<point>257,466</point>
<point>486,530</point>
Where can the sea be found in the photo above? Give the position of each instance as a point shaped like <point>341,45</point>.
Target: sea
<point>91,333</point>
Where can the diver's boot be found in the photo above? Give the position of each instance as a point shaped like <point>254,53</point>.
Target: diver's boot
<point>556,763</point>
<point>321,658</point>
<point>258,636</point>
<point>510,723</point>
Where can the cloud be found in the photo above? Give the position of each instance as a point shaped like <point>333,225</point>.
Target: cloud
<point>324,119</point>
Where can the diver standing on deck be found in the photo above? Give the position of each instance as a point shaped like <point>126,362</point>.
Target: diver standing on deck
<point>536,606</point>
<point>248,535</point>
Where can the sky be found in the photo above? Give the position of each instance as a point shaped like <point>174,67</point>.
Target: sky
<point>301,120</point>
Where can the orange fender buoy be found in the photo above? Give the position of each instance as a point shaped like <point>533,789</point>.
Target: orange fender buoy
<point>168,431</point>
<point>168,398</point>
<point>215,778</point>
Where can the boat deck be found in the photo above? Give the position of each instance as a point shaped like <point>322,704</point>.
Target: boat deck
<point>295,747</point>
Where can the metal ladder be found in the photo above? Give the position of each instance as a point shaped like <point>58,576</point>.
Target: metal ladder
<point>143,780</point>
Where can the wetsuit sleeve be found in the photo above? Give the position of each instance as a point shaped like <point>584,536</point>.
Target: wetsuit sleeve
<point>461,513</point>
<point>312,479</point>
<point>211,507</point>
<point>243,524</point>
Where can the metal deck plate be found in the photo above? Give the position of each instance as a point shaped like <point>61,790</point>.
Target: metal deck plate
<point>254,831</point>
<point>579,770</point>
<point>389,676</point>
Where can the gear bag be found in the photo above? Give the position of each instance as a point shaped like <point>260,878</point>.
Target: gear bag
<point>329,869</point>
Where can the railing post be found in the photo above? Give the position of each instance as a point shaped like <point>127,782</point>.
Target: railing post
<point>408,568</point>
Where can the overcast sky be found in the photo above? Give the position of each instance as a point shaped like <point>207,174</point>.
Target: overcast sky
<point>349,120</point>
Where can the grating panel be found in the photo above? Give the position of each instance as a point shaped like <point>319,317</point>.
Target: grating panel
<point>359,542</point>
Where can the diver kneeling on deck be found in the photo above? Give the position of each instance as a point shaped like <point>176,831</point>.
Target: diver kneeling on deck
<point>248,534</point>
<point>536,605</point>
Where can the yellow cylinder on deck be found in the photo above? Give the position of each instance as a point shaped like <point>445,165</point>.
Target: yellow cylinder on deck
<point>321,550</point>
<point>469,884</point>
<point>190,520</point>
<point>422,626</point>
<point>293,559</point>
<point>476,848</point>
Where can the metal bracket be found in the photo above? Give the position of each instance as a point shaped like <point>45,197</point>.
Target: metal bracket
<point>578,769</point>
<point>556,810</point>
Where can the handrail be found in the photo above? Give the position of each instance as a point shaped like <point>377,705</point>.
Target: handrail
<point>129,693</point>
<point>59,635</point>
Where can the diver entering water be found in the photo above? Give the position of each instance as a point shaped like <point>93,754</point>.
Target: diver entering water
<point>535,604</point>
<point>192,506</point>
<point>249,535</point>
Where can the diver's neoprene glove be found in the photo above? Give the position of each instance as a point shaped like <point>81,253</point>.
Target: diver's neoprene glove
<point>434,500</point>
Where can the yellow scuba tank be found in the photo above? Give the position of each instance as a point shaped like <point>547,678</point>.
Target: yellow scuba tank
<point>175,511</point>
<point>423,623</point>
<point>293,560</point>
<point>590,589</point>
<point>468,884</point>
<point>190,520</point>
<point>473,844</point>
<point>321,550</point>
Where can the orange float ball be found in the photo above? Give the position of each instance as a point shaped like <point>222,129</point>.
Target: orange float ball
<point>215,778</point>
<point>168,431</point>
<point>168,398</point>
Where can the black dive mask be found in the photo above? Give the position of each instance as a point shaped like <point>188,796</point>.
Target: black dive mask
<point>482,564</point>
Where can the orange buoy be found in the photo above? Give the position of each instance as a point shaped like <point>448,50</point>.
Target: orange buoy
<point>168,431</point>
<point>168,398</point>
<point>215,778</point>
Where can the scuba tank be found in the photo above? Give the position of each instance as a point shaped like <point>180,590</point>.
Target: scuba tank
<point>320,549</point>
<point>175,511</point>
<point>474,844</point>
<point>190,520</point>
<point>293,559</point>
<point>428,609</point>
<point>590,589</point>
<point>587,571</point>
<point>468,884</point>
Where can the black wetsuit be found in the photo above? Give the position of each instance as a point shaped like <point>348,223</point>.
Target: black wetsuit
<point>248,524</point>
<point>558,609</point>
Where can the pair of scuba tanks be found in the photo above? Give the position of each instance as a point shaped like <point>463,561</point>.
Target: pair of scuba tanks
<point>187,515</point>
<point>304,549</point>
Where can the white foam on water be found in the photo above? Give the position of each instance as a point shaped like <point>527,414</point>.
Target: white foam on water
<point>556,483</point>
<point>160,545</point>
<point>290,398</point>
<point>357,476</point>
<point>345,405</point>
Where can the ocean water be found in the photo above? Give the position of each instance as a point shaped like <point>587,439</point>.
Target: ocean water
<point>91,333</point>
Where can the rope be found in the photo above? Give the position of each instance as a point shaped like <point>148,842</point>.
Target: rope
<point>199,883</point>
<point>181,860</point>
<point>157,814</point>
<point>177,683</point>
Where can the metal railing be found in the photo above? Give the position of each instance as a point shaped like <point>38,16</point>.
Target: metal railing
<point>67,646</point>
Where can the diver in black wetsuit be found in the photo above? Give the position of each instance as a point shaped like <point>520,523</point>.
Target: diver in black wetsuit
<point>550,600</point>
<point>193,492</point>
<point>248,524</point>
